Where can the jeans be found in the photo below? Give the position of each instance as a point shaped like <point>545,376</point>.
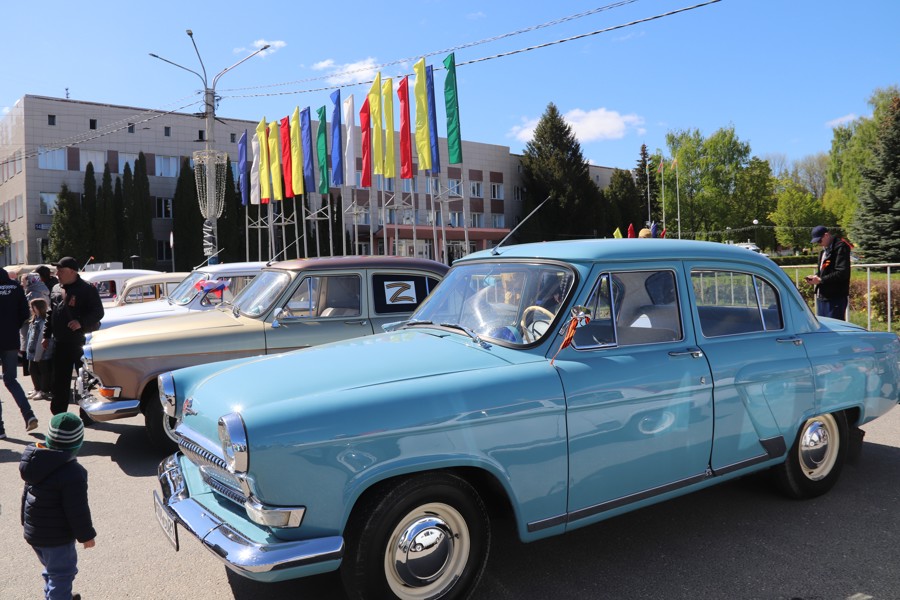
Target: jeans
<point>10,360</point>
<point>60,566</point>
<point>836,308</point>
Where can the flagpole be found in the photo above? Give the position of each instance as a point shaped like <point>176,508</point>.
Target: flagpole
<point>465,202</point>
<point>647,171</point>
<point>304,202</point>
<point>296,227</point>
<point>394,204</point>
<point>371,225</point>
<point>246,235</point>
<point>677,198</point>
<point>430,192</point>
<point>662,174</point>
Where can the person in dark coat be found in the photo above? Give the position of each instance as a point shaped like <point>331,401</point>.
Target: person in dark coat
<point>75,309</point>
<point>48,279</point>
<point>832,280</point>
<point>55,511</point>
<point>14,312</point>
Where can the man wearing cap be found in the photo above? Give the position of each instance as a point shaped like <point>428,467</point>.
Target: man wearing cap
<point>832,280</point>
<point>55,511</point>
<point>14,312</point>
<point>75,309</point>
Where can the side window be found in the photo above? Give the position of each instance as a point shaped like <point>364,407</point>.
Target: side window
<point>216,291</point>
<point>339,296</point>
<point>303,302</point>
<point>400,293</point>
<point>732,303</point>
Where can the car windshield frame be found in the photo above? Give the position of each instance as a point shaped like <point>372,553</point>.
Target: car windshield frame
<point>512,303</point>
<point>258,296</point>
<point>187,290</point>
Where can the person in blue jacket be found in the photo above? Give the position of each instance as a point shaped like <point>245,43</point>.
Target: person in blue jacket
<point>14,312</point>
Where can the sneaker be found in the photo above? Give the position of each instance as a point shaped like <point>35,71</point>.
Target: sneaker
<point>2,436</point>
<point>32,424</point>
<point>76,596</point>
<point>32,395</point>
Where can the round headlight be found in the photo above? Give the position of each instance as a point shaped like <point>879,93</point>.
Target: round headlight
<point>166,387</point>
<point>233,436</point>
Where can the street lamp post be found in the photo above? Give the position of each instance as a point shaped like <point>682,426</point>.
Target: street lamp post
<point>756,232</point>
<point>209,100</point>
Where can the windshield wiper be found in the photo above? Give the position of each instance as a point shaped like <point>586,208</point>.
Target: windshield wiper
<point>468,332</point>
<point>418,322</point>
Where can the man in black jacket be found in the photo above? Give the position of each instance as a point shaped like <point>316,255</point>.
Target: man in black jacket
<point>75,309</point>
<point>13,313</point>
<point>832,279</point>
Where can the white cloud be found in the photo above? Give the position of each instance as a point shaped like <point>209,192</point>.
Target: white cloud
<point>841,120</point>
<point>342,74</point>
<point>274,46</point>
<point>589,126</point>
<point>475,16</point>
<point>5,110</point>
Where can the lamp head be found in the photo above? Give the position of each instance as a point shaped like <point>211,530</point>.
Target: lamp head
<point>189,32</point>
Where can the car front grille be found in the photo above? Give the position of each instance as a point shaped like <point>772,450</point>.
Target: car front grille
<point>213,469</point>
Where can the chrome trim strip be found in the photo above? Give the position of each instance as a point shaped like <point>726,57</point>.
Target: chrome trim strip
<point>546,523</point>
<point>743,464</point>
<point>239,553</point>
<point>166,386</point>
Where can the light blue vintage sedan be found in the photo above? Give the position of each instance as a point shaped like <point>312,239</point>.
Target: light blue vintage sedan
<point>563,383</point>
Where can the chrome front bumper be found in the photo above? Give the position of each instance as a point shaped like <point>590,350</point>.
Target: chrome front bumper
<point>242,555</point>
<point>102,409</point>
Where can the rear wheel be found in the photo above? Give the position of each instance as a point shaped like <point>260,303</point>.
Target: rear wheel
<point>425,537</point>
<point>158,424</point>
<point>816,459</point>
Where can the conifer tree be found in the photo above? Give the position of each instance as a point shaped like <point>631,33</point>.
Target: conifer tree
<point>187,222</point>
<point>644,177</point>
<point>142,215</point>
<point>118,212</point>
<point>625,203</point>
<point>67,232</point>
<point>128,228</point>
<point>105,244</point>
<point>89,206</point>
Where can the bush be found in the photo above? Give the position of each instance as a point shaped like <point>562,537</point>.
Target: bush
<point>802,259</point>
<point>877,298</point>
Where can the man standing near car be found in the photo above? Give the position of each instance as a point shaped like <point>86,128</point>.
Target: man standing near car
<point>75,309</point>
<point>832,280</point>
<point>13,312</point>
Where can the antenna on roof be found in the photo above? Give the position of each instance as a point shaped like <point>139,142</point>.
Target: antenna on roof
<point>208,258</point>
<point>494,250</point>
<point>285,249</point>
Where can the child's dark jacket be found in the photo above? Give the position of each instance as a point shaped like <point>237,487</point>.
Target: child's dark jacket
<point>55,507</point>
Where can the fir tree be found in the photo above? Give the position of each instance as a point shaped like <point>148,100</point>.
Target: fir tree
<point>187,222</point>
<point>625,202</point>
<point>105,244</point>
<point>129,248</point>
<point>878,215</point>
<point>644,177</point>
<point>118,212</point>
<point>67,232</point>
<point>142,221</point>
<point>89,207</point>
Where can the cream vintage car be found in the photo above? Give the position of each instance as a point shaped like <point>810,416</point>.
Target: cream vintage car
<point>148,288</point>
<point>290,305</point>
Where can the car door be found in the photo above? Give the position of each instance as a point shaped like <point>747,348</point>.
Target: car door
<point>323,307</point>
<point>638,392</point>
<point>762,379</point>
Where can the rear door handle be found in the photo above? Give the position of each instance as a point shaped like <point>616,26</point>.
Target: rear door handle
<point>357,322</point>
<point>692,352</point>
<point>790,340</point>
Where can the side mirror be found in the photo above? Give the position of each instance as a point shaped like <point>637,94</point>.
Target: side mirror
<point>275,317</point>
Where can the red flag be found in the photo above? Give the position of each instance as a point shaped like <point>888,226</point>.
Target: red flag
<point>285,135</point>
<point>406,170</point>
<point>631,230</point>
<point>659,169</point>
<point>663,234</point>
<point>365,128</point>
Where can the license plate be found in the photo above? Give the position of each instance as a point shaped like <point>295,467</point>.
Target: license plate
<point>168,524</point>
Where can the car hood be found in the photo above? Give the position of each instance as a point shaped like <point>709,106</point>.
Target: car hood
<point>129,313</point>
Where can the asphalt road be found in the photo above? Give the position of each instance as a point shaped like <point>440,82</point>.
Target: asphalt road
<point>740,540</point>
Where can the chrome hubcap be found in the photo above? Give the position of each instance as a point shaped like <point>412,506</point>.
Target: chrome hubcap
<point>818,448</point>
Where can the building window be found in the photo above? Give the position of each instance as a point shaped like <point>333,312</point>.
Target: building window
<point>19,206</point>
<point>517,193</point>
<point>131,128</point>
<point>236,174</point>
<point>477,191</point>
<point>167,131</point>
<point>388,183</point>
<point>201,135</point>
<point>166,166</point>
<point>126,157</point>
<point>54,160</point>
<point>96,157</point>
<point>455,187</point>
<point>163,251</point>
<point>51,120</point>
<point>435,186</point>
<point>496,191</point>
<point>48,203</point>
<point>163,208</point>
<point>476,219</point>
<point>497,221</point>
<point>92,123</point>
<point>233,138</point>
<point>456,219</point>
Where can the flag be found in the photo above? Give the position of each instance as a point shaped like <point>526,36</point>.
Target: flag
<point>322,151</point>
<point>365,130</point>
<point>406,170</point>
<point>631,230</point>
<point>275,162</point>
<point>662,163</point>
<point>387,95</point>
<point>349,143</point>
<point>337,146</point>
<point>375,118</point>
<point>674,162</point>
<point>265,179</point>
<point>285,134</point>
<point>423,145</point>
<point>654,230</point>
<point>432,121</point>
<point>451,99</point>
<point>309,174</point>
<point>617,234</point>
<point>254,170</point>
<point>578,319</point>
<point>663,234</point>
<point>243,177</point>
<point>296,154</point>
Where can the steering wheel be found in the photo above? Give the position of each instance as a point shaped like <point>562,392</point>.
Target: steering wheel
<point>532,331</point>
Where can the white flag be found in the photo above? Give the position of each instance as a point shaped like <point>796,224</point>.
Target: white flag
<point>350,143</point>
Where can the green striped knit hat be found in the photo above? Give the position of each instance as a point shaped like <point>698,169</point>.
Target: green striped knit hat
<point>66,432</point>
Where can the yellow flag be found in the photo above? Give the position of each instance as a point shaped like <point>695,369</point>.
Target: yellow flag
<point>377,133</point>
<point>617,234</point>
<point>296,154</point>
<point>423,135</point>
<point>265,180</point>
<point>387,93</point>
<point>275,162</point>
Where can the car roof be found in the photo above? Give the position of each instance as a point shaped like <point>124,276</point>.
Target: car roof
<point>157,278</point>
<point>621,249</point>
<point>228,267</point>
<point>115,274</point>
<point>361,262</point>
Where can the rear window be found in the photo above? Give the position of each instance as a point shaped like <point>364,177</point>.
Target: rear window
<point>733,303</point>
<point>400,293</point>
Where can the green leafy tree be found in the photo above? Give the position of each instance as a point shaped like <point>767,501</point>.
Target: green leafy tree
<point>89,206</point>
<point>5,240</point>
<point>878,215</point>
<point>838,202</point>
<point>105,242</point>
<point>67,236</point>
<point>187,222</point>
<point>143,243</point>
<point>797,212</point>
<point>625,203</point>
<point>812,173</point>
<point>553,165</point>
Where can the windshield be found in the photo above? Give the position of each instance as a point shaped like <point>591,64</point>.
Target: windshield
<point>259,295</point>
<point>187,289</point>
<point>514,303</point>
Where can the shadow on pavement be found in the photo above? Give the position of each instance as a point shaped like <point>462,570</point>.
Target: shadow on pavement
<point>132,450</point>
<point>320,587</point>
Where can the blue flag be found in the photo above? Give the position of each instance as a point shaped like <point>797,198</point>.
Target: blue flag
<point>243,172</point>
<point>432,122</point>
<point>654,230</point>
<point>309,173</point>
<point>337,146</point>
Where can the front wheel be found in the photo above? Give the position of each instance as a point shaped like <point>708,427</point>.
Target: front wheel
<point>157,423</point>
<point>426,537</point>
<point>816,459</point>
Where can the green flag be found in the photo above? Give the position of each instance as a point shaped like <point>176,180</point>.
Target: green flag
<point>322,152</point>
<point>451,99</point>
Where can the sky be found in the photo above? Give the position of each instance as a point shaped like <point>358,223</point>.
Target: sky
<point>783,73</point>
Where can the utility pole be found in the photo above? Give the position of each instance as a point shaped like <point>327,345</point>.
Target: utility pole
<point>212,207</point>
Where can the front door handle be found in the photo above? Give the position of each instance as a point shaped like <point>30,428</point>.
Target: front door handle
<point>692,352</point>
<point>790,340</point>
<point>357,322</point>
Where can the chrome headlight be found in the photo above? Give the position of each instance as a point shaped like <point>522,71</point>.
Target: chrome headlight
<point>88,357</point>
<point>233,435</point>
<point>166,386</point>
